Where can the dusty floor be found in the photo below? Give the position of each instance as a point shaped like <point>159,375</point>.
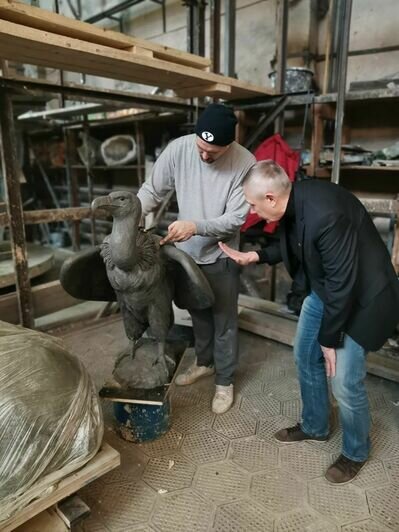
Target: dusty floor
<point>227,473</point>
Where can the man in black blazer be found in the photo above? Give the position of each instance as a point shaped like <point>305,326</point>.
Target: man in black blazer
<point>329,243</point>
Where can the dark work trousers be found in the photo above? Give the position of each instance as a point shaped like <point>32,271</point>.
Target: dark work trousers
<point>216,328</point>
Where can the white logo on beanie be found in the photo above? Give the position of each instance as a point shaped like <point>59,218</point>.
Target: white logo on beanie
<point>207,135</point>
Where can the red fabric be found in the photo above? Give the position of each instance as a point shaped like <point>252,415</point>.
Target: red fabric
<point>278,150</point>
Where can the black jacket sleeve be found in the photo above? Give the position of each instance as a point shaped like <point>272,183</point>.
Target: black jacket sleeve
<point>270,254</point>
<point>337,244</point>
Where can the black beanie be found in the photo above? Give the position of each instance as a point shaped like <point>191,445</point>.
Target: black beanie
<point>216,125</point>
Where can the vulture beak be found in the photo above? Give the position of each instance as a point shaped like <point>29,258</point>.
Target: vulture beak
<point>103,202</point>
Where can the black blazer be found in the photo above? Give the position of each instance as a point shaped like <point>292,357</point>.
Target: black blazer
<point>345,262</point>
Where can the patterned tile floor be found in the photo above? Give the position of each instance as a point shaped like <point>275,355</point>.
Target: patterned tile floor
<point>227,473</point>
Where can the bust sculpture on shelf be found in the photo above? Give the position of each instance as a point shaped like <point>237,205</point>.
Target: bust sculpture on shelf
<point>145,278</point>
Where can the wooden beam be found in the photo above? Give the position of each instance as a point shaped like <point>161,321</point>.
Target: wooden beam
<point>46,299</point>
<point>38,47</point>
<point>45,20</point>
<point>264,305</point>
<point>395,250</point>
<point>271,326</point>
<point>72,182</point>
<point>15,210</point>
<point>104,461</point>
<point>51,215</point>
<point>383,366</point>
<point>143,52</point>
<point>219,90</point>
<point>85,93</point>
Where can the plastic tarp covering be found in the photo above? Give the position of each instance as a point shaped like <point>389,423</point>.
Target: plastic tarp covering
<point>50,416</point>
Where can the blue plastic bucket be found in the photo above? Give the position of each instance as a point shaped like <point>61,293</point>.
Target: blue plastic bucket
<point>142,422</point>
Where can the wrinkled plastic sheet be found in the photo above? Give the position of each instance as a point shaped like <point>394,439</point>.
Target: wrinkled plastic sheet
<point>50,417</point>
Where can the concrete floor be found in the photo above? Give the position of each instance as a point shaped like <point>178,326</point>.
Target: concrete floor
<point>227,473</point>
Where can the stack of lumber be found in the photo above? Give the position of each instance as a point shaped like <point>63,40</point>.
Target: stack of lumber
<point>39,37</point>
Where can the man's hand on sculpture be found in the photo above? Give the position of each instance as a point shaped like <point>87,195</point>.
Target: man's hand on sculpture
<point>179,231</point>
<point>243,259</point>
<point>330,358</point>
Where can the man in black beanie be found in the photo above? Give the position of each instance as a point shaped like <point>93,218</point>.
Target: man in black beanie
<point>206,170</point>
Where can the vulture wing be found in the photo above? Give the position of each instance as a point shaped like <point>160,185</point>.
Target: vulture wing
<point>84,276</point>
<point>191,287</point>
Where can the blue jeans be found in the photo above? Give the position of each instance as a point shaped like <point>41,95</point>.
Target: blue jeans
<point>347,386</point>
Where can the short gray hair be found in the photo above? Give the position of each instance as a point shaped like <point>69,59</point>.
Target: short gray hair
<point>268,176</point>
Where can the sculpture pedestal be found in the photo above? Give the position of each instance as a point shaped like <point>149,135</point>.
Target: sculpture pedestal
<point>140,423</point>
<point>144,414</point>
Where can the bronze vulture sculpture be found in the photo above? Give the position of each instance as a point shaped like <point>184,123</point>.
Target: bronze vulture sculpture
<point>131,267</point>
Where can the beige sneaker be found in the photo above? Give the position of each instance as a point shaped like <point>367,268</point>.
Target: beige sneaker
<point>223,399</point>
<point>193,373</point>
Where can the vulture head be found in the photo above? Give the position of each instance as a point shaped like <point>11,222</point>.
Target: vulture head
<point>120,204</point>
<point>124,244</point>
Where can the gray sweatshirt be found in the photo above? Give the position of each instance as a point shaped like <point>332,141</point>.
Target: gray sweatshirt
<point>210,195</point>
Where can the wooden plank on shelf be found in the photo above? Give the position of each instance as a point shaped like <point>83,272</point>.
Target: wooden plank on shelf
<point>86,93</point>
<point>380,206</point>
<point>29,45</point>
<point>105,460</point>
<point>353,96</point>
<point>46,299</point>
<point>219,90</point>
<point>45,20</point>
<point>141,51</point>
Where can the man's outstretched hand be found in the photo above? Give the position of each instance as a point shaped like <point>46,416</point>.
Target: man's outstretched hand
<point>330,358</point>
<point>179,231</point>
<point>243,259</point>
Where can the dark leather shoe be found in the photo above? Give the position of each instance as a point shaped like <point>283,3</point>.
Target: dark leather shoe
<point>295,434</point>
<point>343,470</point>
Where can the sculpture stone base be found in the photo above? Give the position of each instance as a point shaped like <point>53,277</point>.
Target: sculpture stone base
<point>142,370</point>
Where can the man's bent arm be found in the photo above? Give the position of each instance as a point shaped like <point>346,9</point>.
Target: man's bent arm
<point>153,191</point>
<point>230,222</point>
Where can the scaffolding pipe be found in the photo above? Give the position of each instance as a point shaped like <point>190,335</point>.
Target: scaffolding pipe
<point>230,38</point>
<point>342,70</point>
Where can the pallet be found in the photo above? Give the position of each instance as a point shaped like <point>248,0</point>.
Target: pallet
<point>105,460</point>
<point>47,521</point>
<point>27,44</point>
<point>45,20</point>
